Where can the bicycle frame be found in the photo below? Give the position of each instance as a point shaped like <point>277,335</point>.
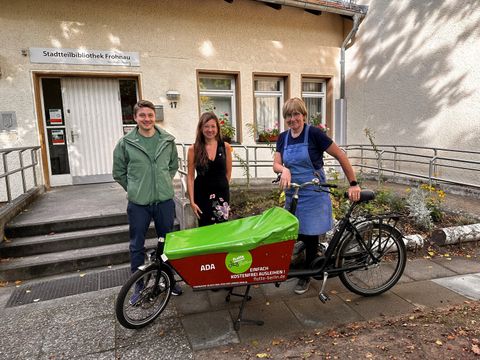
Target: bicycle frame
<point>328,267</point>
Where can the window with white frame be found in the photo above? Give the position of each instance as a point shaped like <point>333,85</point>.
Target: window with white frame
<point>314,96</point>
<point>217,94</point>
<point>269,97</point>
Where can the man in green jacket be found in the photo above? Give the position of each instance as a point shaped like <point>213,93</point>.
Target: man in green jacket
<point>144,163</point>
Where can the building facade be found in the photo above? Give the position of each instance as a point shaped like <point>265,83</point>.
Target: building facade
<point>71,71</point>
<point>413,74</point>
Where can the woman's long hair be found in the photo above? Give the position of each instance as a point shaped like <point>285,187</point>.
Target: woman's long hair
<point>199,150</point>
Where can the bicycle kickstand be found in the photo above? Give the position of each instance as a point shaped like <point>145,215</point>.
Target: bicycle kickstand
<point>323,297</point>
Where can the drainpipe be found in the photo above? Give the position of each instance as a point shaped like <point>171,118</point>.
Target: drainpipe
<point>351,34</point>
<point>341,104</point>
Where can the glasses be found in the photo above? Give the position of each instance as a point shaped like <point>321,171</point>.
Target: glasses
<point>292,115</point>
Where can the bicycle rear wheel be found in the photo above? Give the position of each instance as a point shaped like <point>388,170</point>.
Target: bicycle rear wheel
<point>372,275</point>
<point>143,298</point>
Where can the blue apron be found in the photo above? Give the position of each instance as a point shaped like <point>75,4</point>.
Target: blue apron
<point>314,209</point>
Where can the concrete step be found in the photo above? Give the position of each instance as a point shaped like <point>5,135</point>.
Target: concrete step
<point>30,267</point>
<point>17,229</point>
<point>54,242</point>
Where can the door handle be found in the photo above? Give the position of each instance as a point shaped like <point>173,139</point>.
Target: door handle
<point>72,135</point>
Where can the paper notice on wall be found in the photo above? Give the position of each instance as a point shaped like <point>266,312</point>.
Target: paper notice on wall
<point>55,116</point>
<point>58,137</point>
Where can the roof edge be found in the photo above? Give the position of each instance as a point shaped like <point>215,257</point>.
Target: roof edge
<point>331,6</point>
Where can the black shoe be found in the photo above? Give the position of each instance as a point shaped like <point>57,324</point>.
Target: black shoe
<point>177,291</point>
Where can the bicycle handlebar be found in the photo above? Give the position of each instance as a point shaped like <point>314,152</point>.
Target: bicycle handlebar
<point>315,181</point>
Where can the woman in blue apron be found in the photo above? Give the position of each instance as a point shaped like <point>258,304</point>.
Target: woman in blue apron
<point>299,153</point>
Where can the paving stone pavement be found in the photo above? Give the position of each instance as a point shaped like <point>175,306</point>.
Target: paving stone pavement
<point>84,326</point>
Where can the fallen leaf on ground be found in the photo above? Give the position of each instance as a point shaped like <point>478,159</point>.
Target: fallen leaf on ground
<point>438,342</point>
<point>263,356</point>
<point>476,349</point>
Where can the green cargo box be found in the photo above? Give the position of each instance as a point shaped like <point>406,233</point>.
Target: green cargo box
<point>273,226</point>
<point>252,250</point>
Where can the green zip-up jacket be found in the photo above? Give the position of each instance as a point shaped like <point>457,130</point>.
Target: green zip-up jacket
<point>146,180</point>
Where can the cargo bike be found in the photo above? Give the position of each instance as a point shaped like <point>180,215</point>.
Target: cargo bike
<point>367,254</point>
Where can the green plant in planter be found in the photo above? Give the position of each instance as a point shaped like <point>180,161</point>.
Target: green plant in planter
<point>268,134</point>
<point>226,128</point>
<point>316,120</point>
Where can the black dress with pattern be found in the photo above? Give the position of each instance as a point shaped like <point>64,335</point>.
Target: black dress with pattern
<point>211,189</point>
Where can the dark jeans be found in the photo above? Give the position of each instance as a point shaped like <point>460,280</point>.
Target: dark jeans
<point>311,247</point>
<point>139,218</point>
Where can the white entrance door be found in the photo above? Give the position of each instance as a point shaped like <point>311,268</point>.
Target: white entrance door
<point>93,118</point>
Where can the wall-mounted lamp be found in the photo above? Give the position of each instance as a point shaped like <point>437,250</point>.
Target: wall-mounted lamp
<point>173,96</point>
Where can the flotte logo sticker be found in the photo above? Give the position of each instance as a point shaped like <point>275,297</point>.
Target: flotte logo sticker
<point>238,262</point>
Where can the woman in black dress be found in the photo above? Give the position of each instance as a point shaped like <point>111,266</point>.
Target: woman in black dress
<point>211,158</point>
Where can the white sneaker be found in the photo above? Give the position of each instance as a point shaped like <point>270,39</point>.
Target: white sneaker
<point>302,286</point>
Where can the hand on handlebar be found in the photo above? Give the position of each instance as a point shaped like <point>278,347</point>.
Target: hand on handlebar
<point>354,193</point>
<point>285,179</point>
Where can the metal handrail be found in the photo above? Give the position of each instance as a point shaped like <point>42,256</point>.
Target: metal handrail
<point>7,173</point>
<point>388,158</point>
<point>433,161</point>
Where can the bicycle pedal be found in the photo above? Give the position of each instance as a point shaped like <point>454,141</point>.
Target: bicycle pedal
<point>323,297</point>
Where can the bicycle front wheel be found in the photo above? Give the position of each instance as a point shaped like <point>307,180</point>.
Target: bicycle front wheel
<point>373,263</point>
<point>143,298</point>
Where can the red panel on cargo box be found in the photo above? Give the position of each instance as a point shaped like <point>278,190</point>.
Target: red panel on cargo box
<point>264,264</point>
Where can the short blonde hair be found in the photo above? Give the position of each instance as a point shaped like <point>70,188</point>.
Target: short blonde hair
<point>294,105</point>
